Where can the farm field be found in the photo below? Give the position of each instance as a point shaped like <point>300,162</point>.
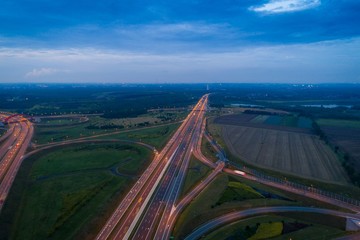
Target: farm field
<point>278,122</point>
<point>295,152</point>
<point>344,134</point>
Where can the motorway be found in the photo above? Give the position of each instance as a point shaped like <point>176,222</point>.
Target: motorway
<point>151,207</point>
<point>162,179</point>
<point>234,216</point>
<point>156,220</point>
<point>12,151</point>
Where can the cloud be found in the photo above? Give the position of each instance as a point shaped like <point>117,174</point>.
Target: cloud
<point>172,30</point>
<point>43,72</point>
<point>282,6</point>
<point>329,61</point>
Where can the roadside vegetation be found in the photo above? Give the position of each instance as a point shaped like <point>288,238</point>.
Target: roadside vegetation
<point>208,150</point>
<point>195,173</point>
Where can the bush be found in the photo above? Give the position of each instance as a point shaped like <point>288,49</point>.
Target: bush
<point>267,230</point>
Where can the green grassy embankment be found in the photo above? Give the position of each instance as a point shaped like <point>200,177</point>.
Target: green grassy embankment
<point>208,150</point>
<point>196,171</point>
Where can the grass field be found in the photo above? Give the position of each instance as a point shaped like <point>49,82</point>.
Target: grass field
<point>95,126</point>
<point>208,150</point>
<point>151,118</point>
<point>196,171</point>
<point>44,134</point>
<point>300,154</point>
<point>267,230</point>
<point>244,229</point>
<point>338,123</point>
<point>60,121</point>
<point>64,190</point>
<point>237,191</point>
<point>291,123</point>
<point>156,136</point>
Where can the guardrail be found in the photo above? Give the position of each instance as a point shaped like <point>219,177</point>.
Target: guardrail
<point>298,186</point>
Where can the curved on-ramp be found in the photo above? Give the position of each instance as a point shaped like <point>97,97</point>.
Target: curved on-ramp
<point>234,216</point>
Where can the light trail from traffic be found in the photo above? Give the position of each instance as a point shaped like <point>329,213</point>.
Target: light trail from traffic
<point>124,219</point>
<point>12,152</point>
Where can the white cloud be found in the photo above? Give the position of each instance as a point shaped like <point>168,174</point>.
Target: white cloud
<point>331,61</point>
<point>281,6</point>
<point>43,72</point>
<point>165,30</point>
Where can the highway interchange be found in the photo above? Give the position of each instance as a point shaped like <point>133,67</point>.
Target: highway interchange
<point>152,206</point>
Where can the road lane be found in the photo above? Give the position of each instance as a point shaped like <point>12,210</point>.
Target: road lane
<point>156,218</point>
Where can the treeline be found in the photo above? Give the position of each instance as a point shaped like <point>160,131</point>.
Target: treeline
<point>107,126</point>
<point>261,112</point>
<point>347,162</point>
<point>113,101</point>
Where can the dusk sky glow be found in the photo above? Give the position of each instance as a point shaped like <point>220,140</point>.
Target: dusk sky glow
<point>117,41</point>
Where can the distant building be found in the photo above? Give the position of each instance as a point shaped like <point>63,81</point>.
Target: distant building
<point>36,119</point>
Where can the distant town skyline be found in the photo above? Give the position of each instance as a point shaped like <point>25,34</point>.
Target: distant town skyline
<point>266,41</point>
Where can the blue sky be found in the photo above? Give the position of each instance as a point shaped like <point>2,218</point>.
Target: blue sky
<point>295,41</point>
